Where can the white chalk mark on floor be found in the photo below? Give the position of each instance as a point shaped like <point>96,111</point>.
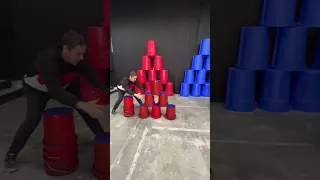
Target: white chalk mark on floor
<point>119,155</point>
<point>182,129</point>
<point>262,144</point>
<point>137,154</point>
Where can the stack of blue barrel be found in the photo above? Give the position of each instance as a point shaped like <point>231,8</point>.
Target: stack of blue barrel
<point>278,92</point>
<point>197,79</point>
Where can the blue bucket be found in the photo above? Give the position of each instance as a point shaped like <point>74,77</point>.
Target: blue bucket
<point>240,95</point>
<point>279,13</point>
<point>207,63</point>
<point>201,77</point>
<point>197,62</point>
<point>254,48</point>
<point>275,91</point>
<point>310,14</point>
<point>205,90</point>
<point>185,90</point>
<point>189,76</point>
<point>205,47</point>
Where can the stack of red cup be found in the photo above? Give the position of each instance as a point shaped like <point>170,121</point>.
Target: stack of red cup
<point>60,147</point>
<point>128,107</point>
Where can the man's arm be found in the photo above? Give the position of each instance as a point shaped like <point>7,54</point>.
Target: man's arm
<point>49,73</point>
<point>85,69</point>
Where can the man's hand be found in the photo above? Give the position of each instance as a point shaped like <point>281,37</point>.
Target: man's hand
<point>139,96</point>
<point>91,108</point>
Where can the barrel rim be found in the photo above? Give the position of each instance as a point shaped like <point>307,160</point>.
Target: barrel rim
<point>58,111</point>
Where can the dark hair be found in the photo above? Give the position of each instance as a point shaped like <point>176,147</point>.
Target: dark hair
<point>132,73</point>
<point>71,39</point>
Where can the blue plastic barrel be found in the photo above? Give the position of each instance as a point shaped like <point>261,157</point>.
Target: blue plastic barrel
<point>208,81</point>
<point>205,90</point>
<point>205,47</point>
<point>189,76</point>
<point>240,95</point>
<point>306,91</point>
<point>201,77</point>
<point>279,13</point>
<point>290,49</point>
<point>254,48</point>
<point>316,63</point>
<point>207,63</point>
<point>197,62</point>
<point>275,91</point>
<point>185,90</point>
<point>196,90</point>
<point>310,14</point>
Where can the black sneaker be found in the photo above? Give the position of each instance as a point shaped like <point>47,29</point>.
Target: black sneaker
<point>10,163</point>
<point>113,112</point>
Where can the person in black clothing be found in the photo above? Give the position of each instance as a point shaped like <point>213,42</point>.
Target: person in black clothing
<point>53,70</point>
<point>126,85</point>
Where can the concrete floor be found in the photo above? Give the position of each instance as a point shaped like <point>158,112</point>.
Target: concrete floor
<point>12,114</point>
<point>148,149</point>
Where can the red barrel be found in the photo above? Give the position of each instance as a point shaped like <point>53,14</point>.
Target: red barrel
<point>146,63</point>
<point>149,99</point>
<point>169,88</point>
<point>171,112</point>
<point>151,48</point>
<point>102,154</point>
<point>147,87</point>
<point>106,13</point>
<point>164,76</point>
<point>128,107</point>
<point>141,76</point>
<point>156,111</point>
<point>144,111</point>
<point>158,63</point>
<point>99,47</point>
<point>51,171</point>
<point>138,90</point>
<point>59,126</point>
<point>152,75</point>
<point>90,93</point>
<point>163,99</point>
<point>156,87</point>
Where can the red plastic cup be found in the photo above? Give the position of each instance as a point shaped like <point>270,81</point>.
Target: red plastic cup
<point>158,63</point>
<point>156,111</point>
<point>163,99</point>
<point>128,101</point>
<point>151,48</point>
<point>149,99</point>
<point>152,75</point>
<point>144,111</point>
<point>169,88</point>
<point>171,112</point>
<point>164,76</point>
<point>147,87</point>
<point>156,87</point>
<point>141,76</point>
<point>146,63</point>
<point>138,90</point>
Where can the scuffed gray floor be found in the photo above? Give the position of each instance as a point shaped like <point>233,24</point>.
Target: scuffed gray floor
<point>265,146</point>
<point>148,149</point>
<point>12,114</point>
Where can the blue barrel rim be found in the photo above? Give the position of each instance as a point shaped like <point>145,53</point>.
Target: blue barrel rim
<point>142,105</point>
<point>148,92</point>
<point>103,137</point>
<point>171,106</point>
<point>58,111</point>
<point>155,104</point>
<point>163,92</point>
<point>128,96</point>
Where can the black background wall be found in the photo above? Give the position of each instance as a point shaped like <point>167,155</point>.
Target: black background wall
<point>228,17</point>
<point>177,26</point>
<point>38,24</point>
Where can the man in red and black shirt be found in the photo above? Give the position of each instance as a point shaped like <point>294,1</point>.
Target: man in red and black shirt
<point>54,75</point>
<point>127,85</point>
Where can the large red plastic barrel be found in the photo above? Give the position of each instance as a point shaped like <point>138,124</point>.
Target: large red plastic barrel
<point>152,75</point>
<point>99,47</point>
<point>138,90</point>
<point>151,48</point>
<point>146,63</point>
<point>102,156</point>
<point>106,13</point>
<point>169,89</point>
<point>156,87</point>
<point>141,76</point>
<point>147,87</point>
<point>164,76</point>
<point>58,126</point>
<point>149,99</point>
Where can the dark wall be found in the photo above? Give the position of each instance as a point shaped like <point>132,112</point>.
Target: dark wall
<point>38,24</point>
<point>177,26</point>
<point>228,18</point>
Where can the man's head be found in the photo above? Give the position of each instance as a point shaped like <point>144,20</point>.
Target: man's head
<point>133,76</point>
<point>74,47</point>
